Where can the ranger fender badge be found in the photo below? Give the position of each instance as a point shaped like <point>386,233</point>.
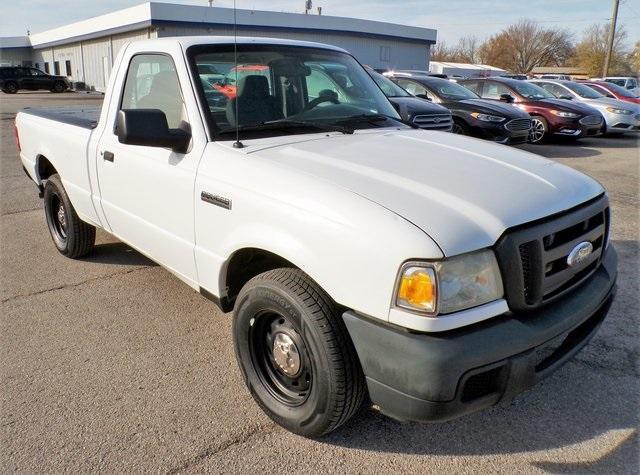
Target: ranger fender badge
<point>215,200</point>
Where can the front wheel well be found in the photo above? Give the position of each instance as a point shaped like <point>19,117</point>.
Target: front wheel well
<point>244,265</point>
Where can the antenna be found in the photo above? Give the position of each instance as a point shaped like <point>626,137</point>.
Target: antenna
<point>237,143</point>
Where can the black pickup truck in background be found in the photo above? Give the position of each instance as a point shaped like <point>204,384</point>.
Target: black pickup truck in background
<point>14,79</point>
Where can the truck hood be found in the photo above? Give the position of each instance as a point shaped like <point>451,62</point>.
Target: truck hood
<point>463,192</point>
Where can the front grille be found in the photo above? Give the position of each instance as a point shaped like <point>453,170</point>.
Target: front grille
<point>591,120</point>
<point>517,125</point>
<point>534,258</point>
<point>434,121</point>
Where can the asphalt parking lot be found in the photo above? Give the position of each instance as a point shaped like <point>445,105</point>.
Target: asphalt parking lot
<point>110,363</point>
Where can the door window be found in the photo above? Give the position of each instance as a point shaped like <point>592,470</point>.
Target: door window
<point>36,72</point>
<point>554,89</point>
<point>152,83</point>
<point>493,90</point>
<point>412,87</point>
<point>318,81</point>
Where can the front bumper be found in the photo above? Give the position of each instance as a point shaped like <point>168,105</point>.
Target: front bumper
<point>498,133</point>
<point>437,377</point>
<point>621,123</point>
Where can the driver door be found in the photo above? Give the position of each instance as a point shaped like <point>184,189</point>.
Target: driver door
<point>147,192</point>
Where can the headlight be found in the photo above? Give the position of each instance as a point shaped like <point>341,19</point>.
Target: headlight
<point>451,285</point>
<point>487,117</point>
<point>615,110</point>
<point>571,115</point>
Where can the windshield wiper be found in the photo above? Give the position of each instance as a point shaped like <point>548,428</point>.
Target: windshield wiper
<point>374,118</point>
<point>288,123</point>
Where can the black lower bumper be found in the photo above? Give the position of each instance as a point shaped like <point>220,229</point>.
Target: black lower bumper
<point>440,376</point>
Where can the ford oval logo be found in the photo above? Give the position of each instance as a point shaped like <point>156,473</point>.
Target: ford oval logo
<point>579,254</point>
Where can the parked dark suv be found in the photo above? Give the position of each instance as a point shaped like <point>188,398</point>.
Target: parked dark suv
<point>549,116</point>
<point>473,116</point>
<point>421,112</point>
<point>14,79</point>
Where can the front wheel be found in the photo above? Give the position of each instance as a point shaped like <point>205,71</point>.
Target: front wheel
<point>459,128</point>
<point>59,87</point>
<point>295,353</point>
<point>539,129</point>
<point>73,237</point>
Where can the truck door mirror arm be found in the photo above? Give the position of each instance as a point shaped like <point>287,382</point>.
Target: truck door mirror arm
<point>149,127</point>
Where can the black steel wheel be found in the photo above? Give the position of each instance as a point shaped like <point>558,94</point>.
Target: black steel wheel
<point>72,237</point>
<point>281,359</point>
<point>295,353</point>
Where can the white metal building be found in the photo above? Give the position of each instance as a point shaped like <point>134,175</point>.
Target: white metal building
<point>85,51</point>
<point>465,69</point>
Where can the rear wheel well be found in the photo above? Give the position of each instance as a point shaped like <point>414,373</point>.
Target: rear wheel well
<point>44,168</point>
<point>244,265</point>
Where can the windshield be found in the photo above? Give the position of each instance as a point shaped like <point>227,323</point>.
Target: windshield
<point>450,91</point>
<point>583,91</point>
<point>390,88</point>
<point>531,91</point>
<point>617,82</point>
<point>276,89</point>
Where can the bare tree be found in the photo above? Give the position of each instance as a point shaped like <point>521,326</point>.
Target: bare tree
<point>467,50</point>
<point>525,45</point>
<point>591,50</point>
<point>441,52</point>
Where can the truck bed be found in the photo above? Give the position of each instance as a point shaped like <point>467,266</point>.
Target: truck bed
<point>80,116</point>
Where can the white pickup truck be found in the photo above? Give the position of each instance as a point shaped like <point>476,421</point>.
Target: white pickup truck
<point>430,274</point>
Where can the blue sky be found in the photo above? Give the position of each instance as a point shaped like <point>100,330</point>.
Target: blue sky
<point>452,18</point>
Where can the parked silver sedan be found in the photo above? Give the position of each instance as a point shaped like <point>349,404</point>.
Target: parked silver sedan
<point>619,116</point>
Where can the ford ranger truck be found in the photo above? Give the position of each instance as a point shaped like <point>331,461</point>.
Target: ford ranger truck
<point>364,260</point>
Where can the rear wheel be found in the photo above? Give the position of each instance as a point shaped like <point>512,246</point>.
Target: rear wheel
<point>295,353</point>
<point>539,129</point>
<point>10,87</point>
<point>73,237</point>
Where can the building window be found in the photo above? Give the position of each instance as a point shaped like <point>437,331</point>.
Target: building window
<point>46,68</point>
<point>67,67</point>
<point>37,65</point>
<point>385,53</point>
<point>56,68</point>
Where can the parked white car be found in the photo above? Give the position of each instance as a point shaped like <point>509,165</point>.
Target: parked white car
<point>619,116</point>
<point>435,274</point>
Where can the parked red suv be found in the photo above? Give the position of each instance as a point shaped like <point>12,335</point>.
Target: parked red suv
<point>549,115</point>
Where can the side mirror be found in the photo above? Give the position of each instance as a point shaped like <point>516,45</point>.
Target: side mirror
<point>149,127</point>
<point>507,98</point>
<point>568,98</point>
<point>424,96</point>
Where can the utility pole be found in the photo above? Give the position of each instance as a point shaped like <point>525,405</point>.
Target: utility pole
<point>612,35</point>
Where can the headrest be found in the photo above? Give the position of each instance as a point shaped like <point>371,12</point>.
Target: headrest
<point>253,86</point>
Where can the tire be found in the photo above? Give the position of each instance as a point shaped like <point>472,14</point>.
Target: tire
<point>59,87</point>
<point>72,237</point>
<point>539,129</point>
<point>314,383</point>
<point>10,87</point>
<point>459,128</point>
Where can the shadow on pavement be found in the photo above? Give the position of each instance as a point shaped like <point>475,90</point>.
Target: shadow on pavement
<point>117,253</point>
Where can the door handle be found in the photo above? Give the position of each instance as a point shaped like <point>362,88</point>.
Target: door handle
<point>108,156</point>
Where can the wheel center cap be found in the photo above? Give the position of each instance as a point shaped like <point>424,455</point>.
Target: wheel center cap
<point>61,218</point>
<point>286,354</point>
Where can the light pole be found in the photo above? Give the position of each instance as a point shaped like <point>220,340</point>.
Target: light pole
<point>612,35</point>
